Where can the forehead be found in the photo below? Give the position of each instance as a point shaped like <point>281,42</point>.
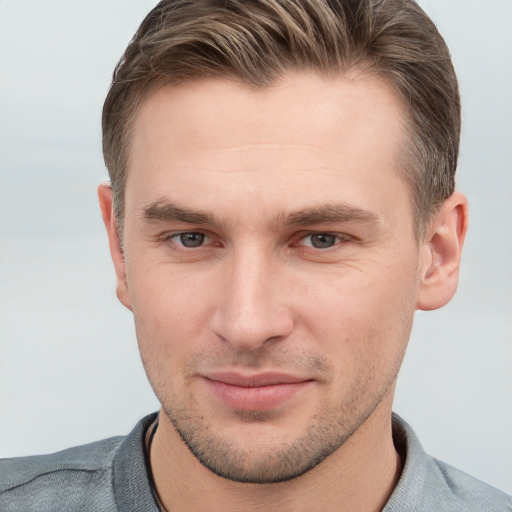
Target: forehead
<point>208,110</point>
<point>303,136</point>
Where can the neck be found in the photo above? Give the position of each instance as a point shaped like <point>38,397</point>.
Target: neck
<point>360,475</point>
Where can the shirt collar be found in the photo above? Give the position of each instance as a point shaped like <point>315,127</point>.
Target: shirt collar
<point>131,478</point>
<point>421,486</point>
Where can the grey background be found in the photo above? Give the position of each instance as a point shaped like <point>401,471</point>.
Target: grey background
<point>69,367</point>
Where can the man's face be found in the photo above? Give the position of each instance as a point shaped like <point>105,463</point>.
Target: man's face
<point>271,265</point>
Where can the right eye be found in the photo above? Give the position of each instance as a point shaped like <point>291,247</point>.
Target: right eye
<point>189,239</point>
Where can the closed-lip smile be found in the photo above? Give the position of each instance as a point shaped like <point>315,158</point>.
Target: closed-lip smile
<point>256,392</point>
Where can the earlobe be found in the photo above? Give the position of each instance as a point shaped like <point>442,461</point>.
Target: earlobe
<point>109,219</point>
<point>441,253</point>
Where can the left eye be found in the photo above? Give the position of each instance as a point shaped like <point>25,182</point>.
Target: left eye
<point>189,239</point>
<point>320,240</point>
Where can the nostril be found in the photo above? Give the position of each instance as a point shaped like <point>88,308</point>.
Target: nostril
<point>251,332</point>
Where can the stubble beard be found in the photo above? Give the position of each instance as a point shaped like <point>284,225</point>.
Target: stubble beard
<point>282,457</point>
<point>260,464</point>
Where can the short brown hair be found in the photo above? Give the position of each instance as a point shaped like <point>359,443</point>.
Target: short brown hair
<point>257,41</point>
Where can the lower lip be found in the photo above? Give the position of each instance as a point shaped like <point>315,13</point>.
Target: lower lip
<point>259,398</point>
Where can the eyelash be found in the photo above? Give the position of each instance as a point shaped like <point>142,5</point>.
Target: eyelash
<point>168,238</point>
<point>340,239</point>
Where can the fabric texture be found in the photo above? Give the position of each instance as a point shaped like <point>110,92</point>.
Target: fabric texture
<point>112,476</point>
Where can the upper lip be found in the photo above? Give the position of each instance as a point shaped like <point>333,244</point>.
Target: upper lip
<point>254,380</point>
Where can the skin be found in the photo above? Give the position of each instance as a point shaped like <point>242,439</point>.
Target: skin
<point>302,262</point>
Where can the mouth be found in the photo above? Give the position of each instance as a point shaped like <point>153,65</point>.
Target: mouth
<point>258,392</point>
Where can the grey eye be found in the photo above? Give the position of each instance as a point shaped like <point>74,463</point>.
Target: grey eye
<point>323,240</point>
<point>191,239</point>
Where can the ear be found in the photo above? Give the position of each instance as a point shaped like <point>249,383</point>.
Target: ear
<point>441,253</point>
<point>109,219</point>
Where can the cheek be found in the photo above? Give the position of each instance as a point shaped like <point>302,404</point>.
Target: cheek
<point>171,310</point>
<point>367,311</point>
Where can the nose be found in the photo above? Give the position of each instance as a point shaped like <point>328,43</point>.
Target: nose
<point>252,307</point>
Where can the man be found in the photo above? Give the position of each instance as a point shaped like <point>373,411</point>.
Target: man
<point>281,202</point>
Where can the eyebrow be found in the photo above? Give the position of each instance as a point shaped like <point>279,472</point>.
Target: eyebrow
<point>166,211</point>
<point>331,213</point>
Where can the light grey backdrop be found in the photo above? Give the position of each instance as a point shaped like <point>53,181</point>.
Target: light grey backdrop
<point>69,367</point>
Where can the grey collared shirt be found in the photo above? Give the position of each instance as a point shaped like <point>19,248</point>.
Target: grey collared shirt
<point>112,476</point>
